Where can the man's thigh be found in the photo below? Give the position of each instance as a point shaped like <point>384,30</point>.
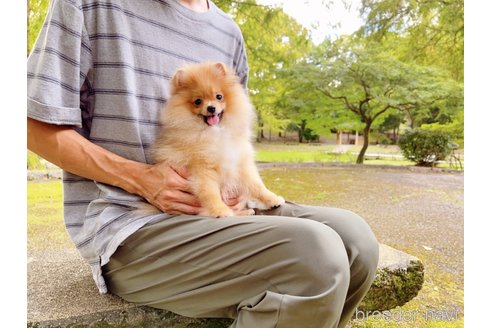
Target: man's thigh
<point>208,266</point>
<point>348,225</point>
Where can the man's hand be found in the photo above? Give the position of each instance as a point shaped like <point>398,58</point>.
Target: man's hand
<point>168,189</point>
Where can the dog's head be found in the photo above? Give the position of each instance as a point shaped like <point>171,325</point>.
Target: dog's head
<point>205,90</point>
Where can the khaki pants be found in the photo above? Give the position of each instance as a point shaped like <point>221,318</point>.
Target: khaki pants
<point>295,266</point>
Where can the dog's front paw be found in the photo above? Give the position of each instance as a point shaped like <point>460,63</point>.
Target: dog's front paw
<point>245,212</point>
<point>267,202</point>
<point>277,202</point>
<point>219,212</point>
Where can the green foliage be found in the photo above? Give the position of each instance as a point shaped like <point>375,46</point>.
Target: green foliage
<point>36,13</point>
<point>309,135</point>
<point>454,129</point>
<point>380,138</point>
<point>425,147</point>
<point>274,42</point>
<point>428,32</point>
<point>391,122</point>
<point>369,83</point>
<point>34,162</point>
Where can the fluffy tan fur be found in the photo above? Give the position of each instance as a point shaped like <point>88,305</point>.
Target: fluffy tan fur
<point>206,127</point>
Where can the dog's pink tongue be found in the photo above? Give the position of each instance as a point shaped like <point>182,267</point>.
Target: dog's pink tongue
<point>213,120</point>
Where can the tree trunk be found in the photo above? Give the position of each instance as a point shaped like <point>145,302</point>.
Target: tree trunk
<point>412,120</point>
<point>302,129</point>
<point>339,137</point>
<point>259,133</point>
<point>367,129</point>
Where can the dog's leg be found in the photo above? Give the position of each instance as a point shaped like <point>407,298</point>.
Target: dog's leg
<point>207,189</point>
<point>262,197</point>
<point>245,212</point>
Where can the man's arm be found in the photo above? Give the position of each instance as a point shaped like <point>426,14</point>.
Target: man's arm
<point>161,185</point>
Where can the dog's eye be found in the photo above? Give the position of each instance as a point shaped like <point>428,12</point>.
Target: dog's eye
<point>219,97</point>
<point>198,102</point>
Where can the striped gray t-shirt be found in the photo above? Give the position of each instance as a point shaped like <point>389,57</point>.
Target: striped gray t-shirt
<point>104,68</point>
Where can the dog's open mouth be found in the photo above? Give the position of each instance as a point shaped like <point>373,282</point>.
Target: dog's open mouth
<point>214,119</point>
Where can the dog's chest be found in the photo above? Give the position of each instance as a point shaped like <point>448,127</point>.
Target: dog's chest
<point>230,154</point>
<point>229,150</point>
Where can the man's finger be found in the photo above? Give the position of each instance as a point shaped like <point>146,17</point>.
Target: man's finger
<point>181,171</point>
<point>178,208</point>
<point>180,180</point>
<point>186,198</point>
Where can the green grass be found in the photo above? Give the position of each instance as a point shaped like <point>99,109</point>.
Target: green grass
<point>303,156</point>
<point>319,153</point>
<point>323,153</point>
<point>45,228</point>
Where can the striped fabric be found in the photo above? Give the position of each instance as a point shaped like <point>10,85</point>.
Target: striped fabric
<point>104,68</point>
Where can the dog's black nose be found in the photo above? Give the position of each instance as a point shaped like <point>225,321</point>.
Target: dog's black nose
<point>211,109</point>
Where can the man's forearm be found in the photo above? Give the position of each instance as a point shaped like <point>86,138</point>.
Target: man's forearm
<point>67,149</point>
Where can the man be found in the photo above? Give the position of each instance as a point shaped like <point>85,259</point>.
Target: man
<point>97,78</point>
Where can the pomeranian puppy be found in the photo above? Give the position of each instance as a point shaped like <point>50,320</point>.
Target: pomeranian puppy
<point>206,128</point>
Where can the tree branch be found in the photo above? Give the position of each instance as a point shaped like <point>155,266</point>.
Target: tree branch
<point>382,111</point>
<point>344,98</point>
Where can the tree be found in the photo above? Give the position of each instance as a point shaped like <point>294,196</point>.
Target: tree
<point>300,106</point>
<point>274,42</point>
<point>369,82</point>
<point>429,32</point>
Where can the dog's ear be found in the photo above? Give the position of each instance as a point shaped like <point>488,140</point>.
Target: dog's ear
<point>177,80</point>
<point>221,69</point>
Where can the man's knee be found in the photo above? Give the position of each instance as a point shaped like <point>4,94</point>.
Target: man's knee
<point>316,255</point>
<point>360,242</point>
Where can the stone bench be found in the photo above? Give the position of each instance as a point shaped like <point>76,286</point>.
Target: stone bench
<point>61,293</point>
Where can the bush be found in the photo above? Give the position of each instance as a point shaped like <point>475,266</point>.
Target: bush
<point>425,147</point>
<point>310,136</point>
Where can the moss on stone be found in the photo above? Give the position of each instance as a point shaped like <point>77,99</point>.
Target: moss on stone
<point>393,288</point>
